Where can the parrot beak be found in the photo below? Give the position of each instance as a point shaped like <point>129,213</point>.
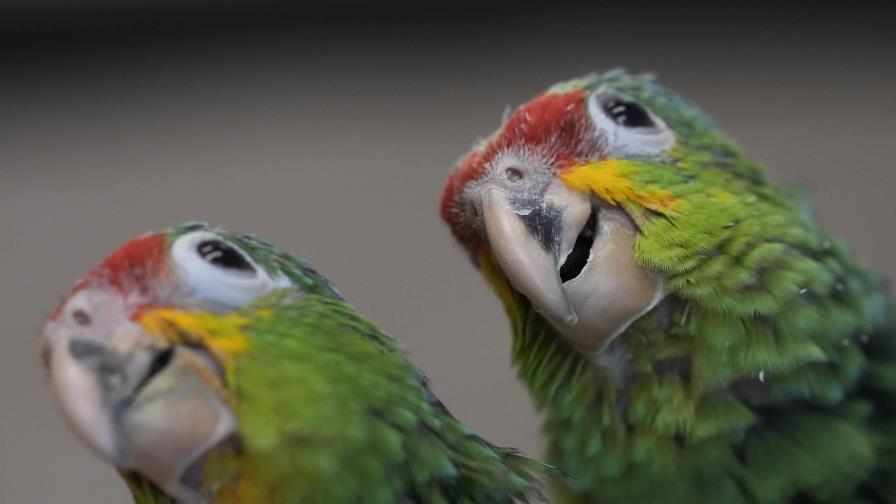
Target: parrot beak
<point>573,257</point>
<point>144,405</point>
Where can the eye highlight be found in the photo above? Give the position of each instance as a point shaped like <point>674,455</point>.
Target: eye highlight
<point>627,127</point>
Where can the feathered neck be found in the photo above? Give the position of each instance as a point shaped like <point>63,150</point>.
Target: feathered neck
<point>685,382</point>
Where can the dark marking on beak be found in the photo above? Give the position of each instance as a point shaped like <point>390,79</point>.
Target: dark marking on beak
<point>544,223</point>
<point>83,349</point>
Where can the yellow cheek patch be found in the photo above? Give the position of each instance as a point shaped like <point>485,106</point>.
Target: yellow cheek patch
<point>222,334</point>
<point>608,181</point>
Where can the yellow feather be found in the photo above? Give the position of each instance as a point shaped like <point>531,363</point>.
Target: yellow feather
<point>607,180</point>
<point>221,334</point>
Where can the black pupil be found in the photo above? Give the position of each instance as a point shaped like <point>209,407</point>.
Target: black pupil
<point>223,255</point>
<point>627,113</point>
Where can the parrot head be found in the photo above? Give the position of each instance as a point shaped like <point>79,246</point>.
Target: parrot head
<point>606,194</point>
<point>153,400</point>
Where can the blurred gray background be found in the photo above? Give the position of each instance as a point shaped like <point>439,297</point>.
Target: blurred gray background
<point>330,132</point>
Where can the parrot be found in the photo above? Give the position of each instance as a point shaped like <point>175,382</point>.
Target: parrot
<point>686,330</point>
<point>212,367</point>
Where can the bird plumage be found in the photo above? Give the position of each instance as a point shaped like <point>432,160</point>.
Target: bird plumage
<point>764,373</point>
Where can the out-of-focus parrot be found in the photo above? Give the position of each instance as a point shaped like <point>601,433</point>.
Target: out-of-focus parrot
<point>687,331</point>
<point>213,367</point>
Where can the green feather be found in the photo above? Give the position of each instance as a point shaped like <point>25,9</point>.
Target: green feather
<point>768,374</point>
<point>330,409</point>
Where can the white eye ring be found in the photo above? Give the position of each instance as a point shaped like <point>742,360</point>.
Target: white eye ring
<point>219,274</point>
<point>625,141</point>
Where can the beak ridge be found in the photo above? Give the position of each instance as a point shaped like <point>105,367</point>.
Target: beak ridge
<point>531,268</point>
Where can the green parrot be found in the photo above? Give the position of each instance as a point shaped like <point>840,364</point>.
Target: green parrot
<point>212,367</point>
<point>687,331</point>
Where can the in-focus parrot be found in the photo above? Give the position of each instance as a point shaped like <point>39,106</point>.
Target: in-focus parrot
<point>208,366</point>
<point>686,329</point>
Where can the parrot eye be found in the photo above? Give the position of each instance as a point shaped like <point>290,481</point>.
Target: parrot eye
<point>629,128</point>
<point>223,255</point>
<point>626,113</point>
<point>218,273</point>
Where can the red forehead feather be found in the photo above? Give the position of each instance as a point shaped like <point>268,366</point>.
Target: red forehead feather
<point>549,120</point>
<point>134,263</point>
<point>131,268</point>
<point>555,123</point>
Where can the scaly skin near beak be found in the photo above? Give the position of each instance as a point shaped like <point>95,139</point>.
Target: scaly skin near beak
<point>573,257</point>
<point>145,406</point>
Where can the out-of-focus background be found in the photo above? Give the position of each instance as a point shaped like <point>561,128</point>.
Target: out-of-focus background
<point>330,131</point>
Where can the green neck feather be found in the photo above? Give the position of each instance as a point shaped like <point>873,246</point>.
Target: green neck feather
<point>694,399</point>
<point>330,410</point>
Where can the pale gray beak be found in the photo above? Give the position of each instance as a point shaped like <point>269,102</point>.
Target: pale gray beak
<point>145,407</point>
<point>573,257</point>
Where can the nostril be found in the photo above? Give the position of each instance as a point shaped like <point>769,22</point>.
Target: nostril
<point>81,318</point>
<point>513,174</point>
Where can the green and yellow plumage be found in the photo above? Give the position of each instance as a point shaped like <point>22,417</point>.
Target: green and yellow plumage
<point>766,374</point>
<point>330,410</point>
<point>327,407</point>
